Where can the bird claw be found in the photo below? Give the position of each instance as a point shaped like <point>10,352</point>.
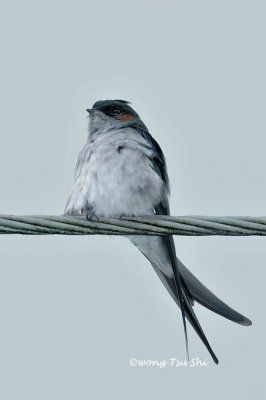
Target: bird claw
<point>91,216</point>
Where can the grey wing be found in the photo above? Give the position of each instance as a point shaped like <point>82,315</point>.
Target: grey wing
<point>196,291</point>
<point>194,288</point>
<point>161,253</point>
<point>206,298</point>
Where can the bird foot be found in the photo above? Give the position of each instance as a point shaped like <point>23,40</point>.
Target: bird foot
<point>91,216</point>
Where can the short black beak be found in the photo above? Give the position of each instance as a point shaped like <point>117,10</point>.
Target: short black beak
<point>89,110</point>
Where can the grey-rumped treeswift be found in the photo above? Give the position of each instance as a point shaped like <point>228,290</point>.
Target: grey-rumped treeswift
<point>121,170</point>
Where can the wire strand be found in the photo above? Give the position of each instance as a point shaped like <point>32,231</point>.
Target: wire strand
<point>145,225</point>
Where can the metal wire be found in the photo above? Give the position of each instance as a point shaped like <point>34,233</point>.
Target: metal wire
<point>147,225</point>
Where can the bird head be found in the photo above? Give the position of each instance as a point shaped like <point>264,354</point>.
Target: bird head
<point>114,114</point>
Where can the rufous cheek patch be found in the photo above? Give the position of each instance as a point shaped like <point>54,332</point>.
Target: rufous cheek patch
<point>125,117</point>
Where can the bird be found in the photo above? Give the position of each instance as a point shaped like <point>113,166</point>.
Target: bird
<point>121,172</point>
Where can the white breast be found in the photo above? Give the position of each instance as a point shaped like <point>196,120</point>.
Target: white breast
<point>114,174</point>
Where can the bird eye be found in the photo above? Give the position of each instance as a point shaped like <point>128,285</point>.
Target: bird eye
<point>116,111</point>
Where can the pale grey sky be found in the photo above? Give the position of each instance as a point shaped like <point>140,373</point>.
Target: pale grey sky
<point>74,310</point>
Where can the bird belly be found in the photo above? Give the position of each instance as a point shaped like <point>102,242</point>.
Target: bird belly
<point>123,183</point>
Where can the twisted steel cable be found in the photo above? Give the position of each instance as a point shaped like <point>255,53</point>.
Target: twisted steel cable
<point>148,225</point>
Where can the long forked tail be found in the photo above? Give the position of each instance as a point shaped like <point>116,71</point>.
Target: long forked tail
<point>178,290</point>
<point>177,281</point>
<point>195,291</point>
<point>187,289</point>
